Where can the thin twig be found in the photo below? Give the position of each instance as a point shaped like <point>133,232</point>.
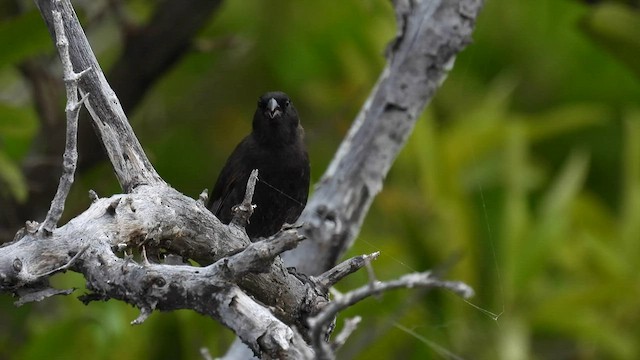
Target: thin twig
<point>144,255</point>
<point>145,312</point>
<point>349,327</point>
<point>372,275</point>
<point>70,157</point>
<point>203,197</point>
<point>345,268</point>
<point>27,296</point>
<point>206,355</point>
<point>242,212</point>
<point>93,195</point>
<point>430,34</point>
<point>319,323</point>
<point>258,256</point>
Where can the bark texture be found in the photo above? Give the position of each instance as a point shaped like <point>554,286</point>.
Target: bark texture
<point>119,242</point>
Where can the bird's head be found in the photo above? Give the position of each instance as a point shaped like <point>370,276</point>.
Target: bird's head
<point>273,109</point>
<point>276,119</point>
<point>275,105</point>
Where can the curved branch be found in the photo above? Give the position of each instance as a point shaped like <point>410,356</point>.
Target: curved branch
<point>72,110</point>
<point>151,215</point>
<point>149,52</point>
<point>159,217</point>
<point>131,165</point>
<point>318,324</point>
<point>245,286</point>
<point>430,35</point>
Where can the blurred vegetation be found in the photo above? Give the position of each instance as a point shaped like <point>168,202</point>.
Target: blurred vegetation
<point>521,179</point>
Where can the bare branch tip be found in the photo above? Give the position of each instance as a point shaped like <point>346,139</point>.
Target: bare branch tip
<point>31,226</point>
<point>83,99</point>
<point>203,198</point>
<point>74,106</point>
<point>74,77</point>
<point>83,72</point>
<point>145,312</point>
<point>93,195</point>
<point>206,355</point>
<point>251,185</point>
<point>144,255</point>
<point>242,212</point>
<point>372,256</point>
<point>350,325</point>
<point>465,291</point>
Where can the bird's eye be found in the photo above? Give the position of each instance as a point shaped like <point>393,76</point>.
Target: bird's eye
<point>287,103</point>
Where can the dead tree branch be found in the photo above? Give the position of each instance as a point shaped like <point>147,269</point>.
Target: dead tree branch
<point>91,242</point>
<point>319,323</point>
<point>430,35</point>
<point>243,211</point>
<point>131,165</point>
<point>72,111</point>
<point>275,311</point>
<point>339,272</point>
<point>149,51</point>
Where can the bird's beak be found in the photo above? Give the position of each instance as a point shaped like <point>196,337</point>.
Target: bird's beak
<point>273,109</point>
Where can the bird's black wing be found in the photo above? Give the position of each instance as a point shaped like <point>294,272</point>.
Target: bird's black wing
<point>231,184</point>
<point>300,191</point>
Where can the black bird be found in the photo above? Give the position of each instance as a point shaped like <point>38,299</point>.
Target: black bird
<point>276,148</point>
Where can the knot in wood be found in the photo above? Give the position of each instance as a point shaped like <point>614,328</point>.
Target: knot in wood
<point>17,265</point>
<point>159,281</point>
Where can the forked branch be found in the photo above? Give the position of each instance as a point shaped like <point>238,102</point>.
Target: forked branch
<point>277,311</point>
<point>72,110</point>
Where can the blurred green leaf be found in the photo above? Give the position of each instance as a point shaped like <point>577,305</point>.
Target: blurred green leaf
<point>17,121</point>
<point>553,218</point>
<point>522,178</point>
<point>617,28</point>
<point>11,175</point>
<point>23,36</point>
<point>565,317</point>
<point>564,119</point>
<point>630,224</point>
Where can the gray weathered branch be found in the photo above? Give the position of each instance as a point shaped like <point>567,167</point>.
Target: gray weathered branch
<point>345,268</point>
<point>131,165</point>
<point>277,312</point>
<point>150,50</point>
<point>430,35</point>
<point>318,324</point>
<point>243,211</point>
<point>349,327</point>
<point>154,215</point>
<point>72,110</point>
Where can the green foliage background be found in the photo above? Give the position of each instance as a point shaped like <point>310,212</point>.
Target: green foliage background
<point>522,178</point>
